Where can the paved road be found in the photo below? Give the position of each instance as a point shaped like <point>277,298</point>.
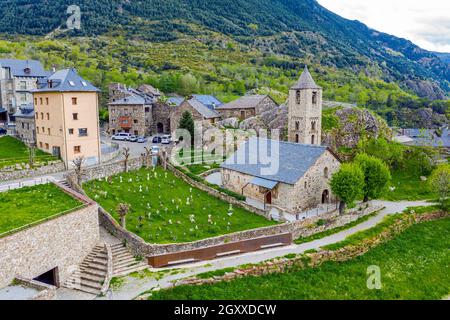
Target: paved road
<point>133,286</point>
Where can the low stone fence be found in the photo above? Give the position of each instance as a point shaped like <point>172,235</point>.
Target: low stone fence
<point>45,291</point>
<point>9,175</point>
<point>302,228</point>
<point>315,259</point>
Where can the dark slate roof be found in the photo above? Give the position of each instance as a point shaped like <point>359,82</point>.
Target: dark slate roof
<point>305,81</point>
<point>245,102</point>
<point>19,68</point>
<point>176,101</point>
<point>208,100</point>
<point>25,111</point>
<point>206,112</point>
<point>293,159</point>
<point>66,80</point>
<point>129,100</point>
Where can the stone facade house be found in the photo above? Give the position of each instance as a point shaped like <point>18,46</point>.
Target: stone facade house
<point>200,112</point>
<point>138,111</point>
<point>17,79</point>
<point>290,176</point>
<point>247,106</point>
<point>25,124</point>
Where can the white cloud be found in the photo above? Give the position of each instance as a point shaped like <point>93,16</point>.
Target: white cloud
<point>426,23</point>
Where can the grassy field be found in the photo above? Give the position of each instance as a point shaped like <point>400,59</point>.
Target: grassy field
<point>14,151</point>
<point>165,209</point>
<point>408,186</point>
<point>20,207</point>
<point>413,266</point>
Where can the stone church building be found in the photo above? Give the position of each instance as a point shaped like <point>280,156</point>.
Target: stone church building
<point>302,167</point>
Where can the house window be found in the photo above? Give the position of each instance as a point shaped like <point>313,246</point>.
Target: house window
<point>313,125</point>
<point>48,116</point>
<point>147,109</point>
<point>297,125</point>
<point>37,129</point>
<point>48,130</point>
<point>74,101</point>
<point>37,115</point>
<point>70,131</point>
<point>28,126</point>
<point>23,97</point>
<point>314,97</point>
<point>306,185</point>
<point>135,121</point>
<point>76,149</point>
<point>313,139</point>
<point>43,130</point>
<point>325,172</point>
<point>82,132</point>
<point>297,138</point>
<point>298,96</point>
<point>40,100</point>
<point>75,116</point>
<point>47,146</point>
<point>23,125</point>
<point>42,115</point>
<point>35,101</point>
<point>23,85</point>
<point>46,101</point>
<point>40,143</point>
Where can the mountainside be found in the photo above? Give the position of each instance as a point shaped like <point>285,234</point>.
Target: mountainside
<point>298,28</point>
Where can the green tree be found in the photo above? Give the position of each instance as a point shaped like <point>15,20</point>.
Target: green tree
<point>347,184</point>
<point>376,175</point>
<point>187,123</point>
<point>439,182</point>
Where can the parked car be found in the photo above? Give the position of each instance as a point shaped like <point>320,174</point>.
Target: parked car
<point>142,139</point>
<point>133,138</point>
<point>157,139</point>
<point>155,150</point>
<point>166,139</point>
<point>3,131</point>
<point>121,136</point>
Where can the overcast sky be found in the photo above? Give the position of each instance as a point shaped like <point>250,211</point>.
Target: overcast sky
<point>424,22</point>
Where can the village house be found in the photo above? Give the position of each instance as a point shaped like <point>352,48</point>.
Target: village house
<point>202,108</point>
<point>17,79</point>
<point>137,111</point>
<point>247,106</point>
<point>66,115</point>
<point>25,124</point>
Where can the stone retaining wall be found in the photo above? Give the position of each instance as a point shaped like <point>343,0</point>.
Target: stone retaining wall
<point>302,228</point>
<point>7,175</point>
<point>315,259</point>
<point>62,242</point>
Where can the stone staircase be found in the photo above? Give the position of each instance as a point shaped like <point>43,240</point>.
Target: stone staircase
<point>91,273</point>
<point>124,262</point>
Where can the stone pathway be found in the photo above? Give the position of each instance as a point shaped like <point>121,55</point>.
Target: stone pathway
<point>133,287</point>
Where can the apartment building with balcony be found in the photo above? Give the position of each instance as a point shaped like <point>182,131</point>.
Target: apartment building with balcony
<point>66,117</point>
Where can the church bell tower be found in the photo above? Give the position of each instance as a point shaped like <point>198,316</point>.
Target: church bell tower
<point>305,111</point>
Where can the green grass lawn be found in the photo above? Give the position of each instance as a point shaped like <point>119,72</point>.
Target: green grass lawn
<point>14,151</point>
<point>160,209</point>
<point>408,186</point>
<point>20,207</point>
<point>414,265</point>
<point>202,167</point>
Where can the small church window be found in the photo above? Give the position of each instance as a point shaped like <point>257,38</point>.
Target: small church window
<point>314,97</point>
<point>313,139</point>
<point>298,96</point>
<point>297,138</point>
<point>325,172</point>
<point>297,125</point>
<point>313,125</point>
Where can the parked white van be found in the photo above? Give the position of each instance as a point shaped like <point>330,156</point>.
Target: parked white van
<point>121,136</point>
